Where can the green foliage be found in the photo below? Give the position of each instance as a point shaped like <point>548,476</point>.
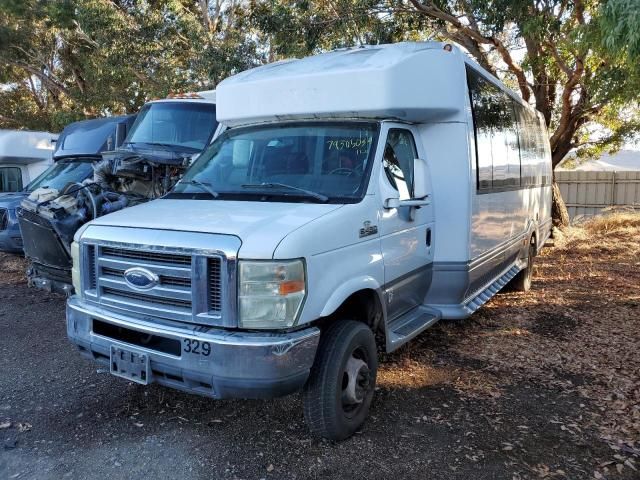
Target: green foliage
<point>71,59</point>
<point>620,21</point>
<point>294,28</point>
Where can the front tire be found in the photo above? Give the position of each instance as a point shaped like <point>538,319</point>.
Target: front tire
<point>338,393</point>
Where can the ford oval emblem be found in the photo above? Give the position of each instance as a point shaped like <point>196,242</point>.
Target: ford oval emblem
<point>140,278</point>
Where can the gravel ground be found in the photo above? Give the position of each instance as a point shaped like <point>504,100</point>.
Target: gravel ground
<point>458,403</point>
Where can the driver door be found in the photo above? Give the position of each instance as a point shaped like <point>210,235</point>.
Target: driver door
<point>406,235</point>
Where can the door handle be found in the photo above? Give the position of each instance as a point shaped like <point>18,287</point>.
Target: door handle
<point>428,237</point>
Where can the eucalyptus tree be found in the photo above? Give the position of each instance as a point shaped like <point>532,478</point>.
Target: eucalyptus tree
<point>552,52</point>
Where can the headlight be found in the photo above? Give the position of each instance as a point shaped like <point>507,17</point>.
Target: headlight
<point>271,293</point>
<point>75,269</point>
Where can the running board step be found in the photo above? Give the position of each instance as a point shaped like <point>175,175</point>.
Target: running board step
<point>475,302</point>
<point>409,325</point>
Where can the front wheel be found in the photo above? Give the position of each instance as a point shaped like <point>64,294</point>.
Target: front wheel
<point>337,396</point>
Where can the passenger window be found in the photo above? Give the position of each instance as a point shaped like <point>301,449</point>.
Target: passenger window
<point>500,140</point>
<point>399,154</point>
<point>10,179</point>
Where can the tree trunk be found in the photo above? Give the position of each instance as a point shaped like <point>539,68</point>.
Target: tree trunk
<point>559,212</point>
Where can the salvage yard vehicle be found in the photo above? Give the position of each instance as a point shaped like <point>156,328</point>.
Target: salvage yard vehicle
<point>78,148</point>
<point>165,138</point>
<point>23,156</point>
<point>359,194</point>
<point>79,144</point>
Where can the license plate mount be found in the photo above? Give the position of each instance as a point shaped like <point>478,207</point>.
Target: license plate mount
<point>130,364</point>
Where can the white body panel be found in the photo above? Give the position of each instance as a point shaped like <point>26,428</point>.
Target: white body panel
<point>408,81</point>
<point>31,152</point>
<point>260,226</point>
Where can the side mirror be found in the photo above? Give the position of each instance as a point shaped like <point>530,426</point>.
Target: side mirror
<point>421,195</point>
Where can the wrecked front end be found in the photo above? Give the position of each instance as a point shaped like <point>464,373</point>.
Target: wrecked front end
<point>49,218</point>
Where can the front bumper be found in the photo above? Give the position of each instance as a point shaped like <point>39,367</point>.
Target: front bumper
<point>240,365</point>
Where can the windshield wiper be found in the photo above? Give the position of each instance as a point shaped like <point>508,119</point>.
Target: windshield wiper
<point>207,187</point>
<point>166,146</point>
<point>308,193</point>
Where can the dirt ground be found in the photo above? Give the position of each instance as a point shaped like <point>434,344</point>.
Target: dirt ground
<point>538,385</point>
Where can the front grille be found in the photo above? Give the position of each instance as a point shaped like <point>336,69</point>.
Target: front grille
<point>164,258</point>
<point>189,286</point>
<point>141,297</point>
<point>3,218</point>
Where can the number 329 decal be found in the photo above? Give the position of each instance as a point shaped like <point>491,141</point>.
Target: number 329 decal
<point>196,347</point>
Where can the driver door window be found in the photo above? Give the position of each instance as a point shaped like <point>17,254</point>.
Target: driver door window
<point>399,155</point>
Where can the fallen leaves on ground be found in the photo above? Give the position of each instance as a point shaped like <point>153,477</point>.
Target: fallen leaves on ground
<point>578,329</point>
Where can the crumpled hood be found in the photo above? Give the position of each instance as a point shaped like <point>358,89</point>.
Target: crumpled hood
<point>11,199</point>
<point>261,226</point>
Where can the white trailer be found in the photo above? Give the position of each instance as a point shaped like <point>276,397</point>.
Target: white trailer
<point>23,156</point>
<point>362,191</point>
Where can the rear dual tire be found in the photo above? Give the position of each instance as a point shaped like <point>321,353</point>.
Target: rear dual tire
<point>523,280</point>
<point>339,391</point>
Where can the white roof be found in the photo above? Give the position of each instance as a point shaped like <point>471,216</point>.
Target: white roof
<point>410,81</point>
<point>22,146</point>
<point>624,160</point>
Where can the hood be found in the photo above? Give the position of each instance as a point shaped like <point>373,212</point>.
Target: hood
<point>261,226</point>
<point>11,199</point>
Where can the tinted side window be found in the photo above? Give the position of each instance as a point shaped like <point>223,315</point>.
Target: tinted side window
<point>496,134</point>
<point>486,109</point>
<point>399,154</point>
<point>533,148</point>
<point>10,179</point>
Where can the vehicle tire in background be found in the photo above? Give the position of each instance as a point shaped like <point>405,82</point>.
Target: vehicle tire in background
<point>338,393</point>
<point>522,281</point>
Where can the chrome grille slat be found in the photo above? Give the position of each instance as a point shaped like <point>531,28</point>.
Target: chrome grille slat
<point>164,279</point>
<point>160,269</point>
<point>178,293</point>
<point>159,257</point>
<point>144,298</point>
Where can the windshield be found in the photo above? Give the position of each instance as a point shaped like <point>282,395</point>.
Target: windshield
<point>184,125</point>
<point>61,173</point>
<point>310,162</point>
<point>86,138</point>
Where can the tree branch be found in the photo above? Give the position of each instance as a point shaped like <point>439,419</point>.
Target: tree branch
<point>474,34</point>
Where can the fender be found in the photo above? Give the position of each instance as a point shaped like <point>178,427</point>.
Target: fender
<point>350,287</point>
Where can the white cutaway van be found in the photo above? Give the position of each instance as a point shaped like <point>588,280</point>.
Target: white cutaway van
<point>356,195</point>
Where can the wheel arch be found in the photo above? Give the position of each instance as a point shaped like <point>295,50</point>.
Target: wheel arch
<point>365,305</point>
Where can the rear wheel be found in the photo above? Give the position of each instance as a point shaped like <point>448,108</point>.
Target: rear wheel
<point>337,396</point>
<point>522,281</point>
